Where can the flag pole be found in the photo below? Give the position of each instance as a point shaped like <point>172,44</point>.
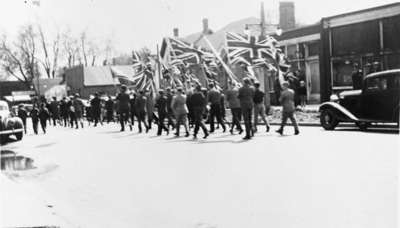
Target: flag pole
<point>230,73</point>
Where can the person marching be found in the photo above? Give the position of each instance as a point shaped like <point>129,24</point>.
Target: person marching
<point>64,111</point>
<point>259,107</point>
<point>95,108</point>
<point>214,98</point>
<point>234,105</point>
<point>170,112</point>
<point>43,117</point>
<point>79,108</point>
<point>149,108</point>
<point>140,107</point>
<point>110,110</point>
<point>161,105</point>
<point>180,109</point>
<point>34,114</point>
<point>54,111</point>
<point>246,96</point>
<point>199,104</point>
<point>23,114</point>
<point>123,107</point>
<point>287,101</point>
<point>132,100</point>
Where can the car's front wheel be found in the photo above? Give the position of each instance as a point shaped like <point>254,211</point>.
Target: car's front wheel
<point>19,135</point>
<point>328,120</point>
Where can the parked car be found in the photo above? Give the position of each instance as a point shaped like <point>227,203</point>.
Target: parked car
<point>9,123</point>
<point>377,102</point>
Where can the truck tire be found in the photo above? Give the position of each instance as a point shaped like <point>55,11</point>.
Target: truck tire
<point>328,120</point>
<point>19,135</point>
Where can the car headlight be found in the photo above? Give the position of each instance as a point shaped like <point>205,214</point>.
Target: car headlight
<point>334,98</point>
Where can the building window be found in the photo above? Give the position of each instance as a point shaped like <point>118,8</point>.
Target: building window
<point>356,38</point>
<point>342,71</point>
<point>313,49</point>
<point>292,52</point>
<point>391,33</point>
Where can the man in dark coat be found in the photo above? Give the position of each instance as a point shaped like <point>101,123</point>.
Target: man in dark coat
<point>123,107</point>
<point>34,114</point>
<point>199,104</point>
<point>170,112</point>
<point>23,114</point>
<point>214,98</point>
<point>43,117</point>
<point>54,111</point>
<point>95,107</point>
<point>161,105</point>
<point>132,100</point>
<point>140,107</point>
<point>110,110</point>
<point>64,111</point>
<point>246,96</point>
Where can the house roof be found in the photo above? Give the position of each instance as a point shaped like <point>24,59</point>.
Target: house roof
<point>98,76</point>
<point>217,39</point>
<point>363,10</point>
<point>299,32</point>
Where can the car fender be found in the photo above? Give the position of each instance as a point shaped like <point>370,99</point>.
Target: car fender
<point>341,112</point>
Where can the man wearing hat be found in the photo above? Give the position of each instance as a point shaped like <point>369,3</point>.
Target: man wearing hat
<point>123,107</point>
<point>161,105</point>
<point>259,107</point>
<point>149,108</point>
<point>180,109</point>
<point>78,108</point>
<point>95,107</point>
<point>140,107</point>
<point>199,103</point>
<point>246,96</point>
<point>170,112</point>
<point>214,98</point>
<point>234,105</point>
<point>287,101</point>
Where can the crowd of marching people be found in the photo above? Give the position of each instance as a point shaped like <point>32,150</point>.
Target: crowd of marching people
<point>189,108</point>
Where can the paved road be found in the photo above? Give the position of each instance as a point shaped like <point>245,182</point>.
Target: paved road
<point>99,177</point>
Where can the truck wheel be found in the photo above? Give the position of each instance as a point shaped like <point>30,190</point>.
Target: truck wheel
<point>363,126</point>
<point>19,135</point>
<point>328,120</point>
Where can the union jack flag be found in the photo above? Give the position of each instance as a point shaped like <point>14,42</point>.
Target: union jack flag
<point>185,52</point>
<point>247,49</point>
<point>136,61</point>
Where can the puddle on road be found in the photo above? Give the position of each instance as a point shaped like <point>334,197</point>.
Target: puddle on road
<point>10,161</point>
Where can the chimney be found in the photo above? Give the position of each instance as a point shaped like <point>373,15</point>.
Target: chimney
<point>286,15</point>
<point>176,32</point>
<point>205,26</point>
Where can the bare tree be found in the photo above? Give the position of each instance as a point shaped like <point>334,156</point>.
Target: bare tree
<point>71,48</point>
<point>19,59</point>
<point>108,50</point>
<point>50,60</point>
<point>93,52</point>
<point>83,43</point>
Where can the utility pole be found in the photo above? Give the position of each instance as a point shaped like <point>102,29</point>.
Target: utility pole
<point>262,23</point>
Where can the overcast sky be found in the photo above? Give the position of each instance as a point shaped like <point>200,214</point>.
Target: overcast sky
<point>136,23</point>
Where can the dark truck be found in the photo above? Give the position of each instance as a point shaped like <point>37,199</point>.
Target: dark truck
<point>377,102</point>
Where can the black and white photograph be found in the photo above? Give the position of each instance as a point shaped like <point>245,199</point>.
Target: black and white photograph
<point>199,113</point>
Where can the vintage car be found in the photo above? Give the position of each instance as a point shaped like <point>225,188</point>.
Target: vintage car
<point>377,102</point>
<point>9,123</point>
